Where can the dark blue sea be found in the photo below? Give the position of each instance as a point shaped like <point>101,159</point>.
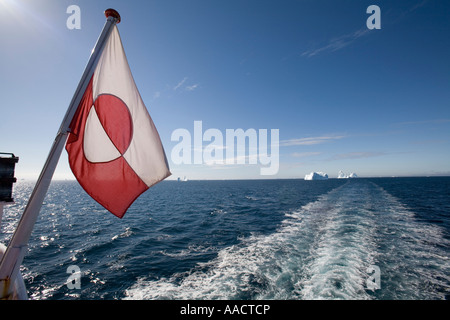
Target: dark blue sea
<point>255,239</point>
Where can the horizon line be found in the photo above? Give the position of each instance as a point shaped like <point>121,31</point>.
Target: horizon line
<point>293,178</point>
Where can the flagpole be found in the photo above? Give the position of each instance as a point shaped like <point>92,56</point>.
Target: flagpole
<point>16,250</point>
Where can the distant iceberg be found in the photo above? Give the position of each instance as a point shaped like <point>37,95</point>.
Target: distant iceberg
<point>316,176</point>
<point>342,175</point>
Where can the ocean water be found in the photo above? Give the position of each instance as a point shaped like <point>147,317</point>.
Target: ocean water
<point>255,239</point>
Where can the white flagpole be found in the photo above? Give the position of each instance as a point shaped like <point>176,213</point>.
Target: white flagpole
<point>16,250</point>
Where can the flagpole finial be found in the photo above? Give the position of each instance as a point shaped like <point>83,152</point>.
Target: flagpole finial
<point>112,13</point>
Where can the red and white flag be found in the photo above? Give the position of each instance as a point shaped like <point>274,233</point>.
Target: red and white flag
<point>115,151</point>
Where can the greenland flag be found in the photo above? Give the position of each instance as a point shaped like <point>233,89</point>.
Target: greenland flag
<point>114,149</point>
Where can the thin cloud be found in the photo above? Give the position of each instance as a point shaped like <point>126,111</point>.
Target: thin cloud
<point>345,40</point>
<point>192,88</point>
<point>180,84</point>
<point>309,141</point>
<point>419,5</point>
<point>337,43</point>
<point>428,142</point>
<point>305,154</point>
<point>357,155</point>
<point>156,95</point>
<point>434,121</point>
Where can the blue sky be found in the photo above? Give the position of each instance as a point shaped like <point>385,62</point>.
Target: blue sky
<point>374,102</point>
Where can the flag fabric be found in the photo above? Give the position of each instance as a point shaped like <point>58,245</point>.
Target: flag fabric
<point>114,149</point>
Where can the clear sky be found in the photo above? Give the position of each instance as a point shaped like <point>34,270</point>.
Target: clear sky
<point>375,102</point>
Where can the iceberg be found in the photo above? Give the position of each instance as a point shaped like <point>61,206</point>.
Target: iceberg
<point>316,176</point>
<point>342,175</point>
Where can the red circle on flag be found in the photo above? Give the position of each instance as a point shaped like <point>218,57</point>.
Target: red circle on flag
<point>115,118</point>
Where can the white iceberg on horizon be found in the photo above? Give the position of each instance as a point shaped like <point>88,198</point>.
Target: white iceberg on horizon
<point>342,175</point>
<point>316,176</point>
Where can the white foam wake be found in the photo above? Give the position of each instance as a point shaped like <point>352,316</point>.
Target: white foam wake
<point>322,251</point>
